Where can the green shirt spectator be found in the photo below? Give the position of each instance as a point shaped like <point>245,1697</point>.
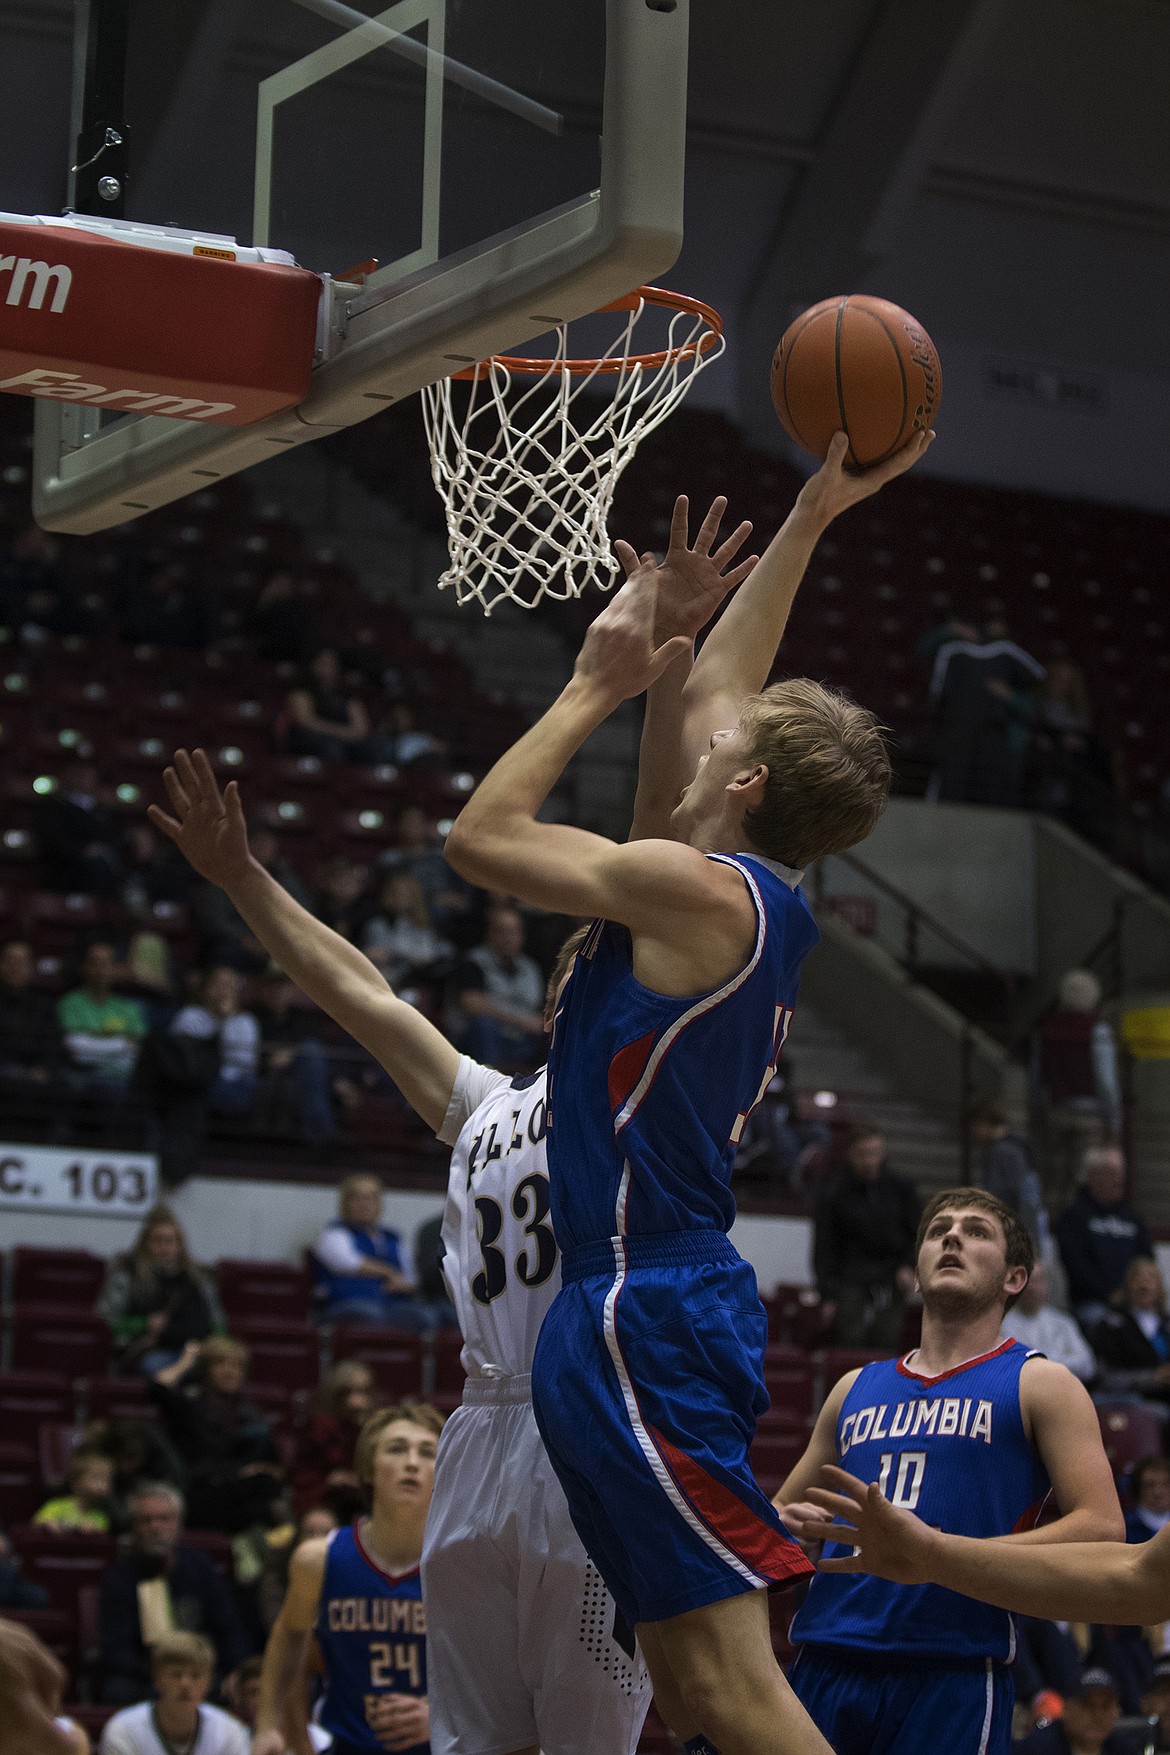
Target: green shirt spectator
<point>102,1029</point>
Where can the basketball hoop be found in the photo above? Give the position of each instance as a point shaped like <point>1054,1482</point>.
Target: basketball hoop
<point>527,471</point>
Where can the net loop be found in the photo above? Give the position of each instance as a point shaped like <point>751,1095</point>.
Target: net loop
<point>526,451</point>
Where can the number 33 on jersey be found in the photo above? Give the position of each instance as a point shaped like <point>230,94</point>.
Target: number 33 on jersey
<point>501,1262</point>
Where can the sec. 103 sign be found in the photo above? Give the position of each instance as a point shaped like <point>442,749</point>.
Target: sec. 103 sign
<point>55,1180</point>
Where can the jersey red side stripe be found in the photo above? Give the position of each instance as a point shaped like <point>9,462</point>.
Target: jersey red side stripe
<point>757,1543</point>
<point>627,1067</point>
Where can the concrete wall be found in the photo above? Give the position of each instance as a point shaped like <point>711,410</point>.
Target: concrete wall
<point>1077,889</point>
<point>973,869</point>
<point>276,1221</point>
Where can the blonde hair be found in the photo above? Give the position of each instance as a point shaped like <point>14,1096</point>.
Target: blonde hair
<point>418,1413</point>
<point>188,1651</point>
<point>564,961</point>
<point>828,771</point>
<point>220,1347</point>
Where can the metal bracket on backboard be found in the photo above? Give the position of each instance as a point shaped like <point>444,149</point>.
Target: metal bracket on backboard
<point>386,340</point>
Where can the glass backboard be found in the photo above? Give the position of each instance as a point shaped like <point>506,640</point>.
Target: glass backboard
<point>475,169</point>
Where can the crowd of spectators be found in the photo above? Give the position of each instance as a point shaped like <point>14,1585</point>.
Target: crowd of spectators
<point>118,1040</point>
<point>1011,731</point>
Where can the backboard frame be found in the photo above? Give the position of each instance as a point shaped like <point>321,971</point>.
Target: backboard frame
<point>379,344</point>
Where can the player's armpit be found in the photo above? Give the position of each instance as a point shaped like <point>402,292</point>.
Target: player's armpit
<point>1062,1423</point>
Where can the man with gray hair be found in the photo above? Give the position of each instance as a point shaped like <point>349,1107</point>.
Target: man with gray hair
<point>155,1588</point>
<point>1099,1235</point>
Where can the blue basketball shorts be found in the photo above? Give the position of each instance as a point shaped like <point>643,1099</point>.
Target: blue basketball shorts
<point>865,1707</point>
<point>647,1384</point>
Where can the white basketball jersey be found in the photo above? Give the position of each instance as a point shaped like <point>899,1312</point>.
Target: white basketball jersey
<point>501,1261</point>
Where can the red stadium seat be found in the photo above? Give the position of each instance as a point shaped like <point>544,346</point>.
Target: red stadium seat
<point>449,1373</point>
<point>836,1361</point>
<point>27,1398</point>
<point>119,1398</point>
<point>20,1483</point>
<point>777,1454</point>
<point>1129,1432</point>
<point>394,1355</point>
<point>70,1278</point>
<point>217,1548</point>
<point>264,1288</point>
<point>47,1337</point>
<point>284,1355</point>
<point>788,1373</point>
<point>56,1442</point>
<point>63,1561</point>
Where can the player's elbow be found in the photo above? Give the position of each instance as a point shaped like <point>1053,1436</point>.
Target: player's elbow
<point>1109,1524</point>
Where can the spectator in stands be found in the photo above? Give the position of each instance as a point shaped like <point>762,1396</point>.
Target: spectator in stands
<point>406,744</point>
<point>455,908</point>
<point>32,1046</point>
<point>1156,1705</point>
<point>1004,1167</point>
<point>428,1251</point>
<point>81,846</point>
<point>1077,1075</point>
<point>147,973</point>
<point>166,609</point>
<point>233,1469</point>
<point>241,1691</point>
<point>137,1452</point>
<point>1149,1488</point>
<point>153,874</point>
<point>343,902</point>
<point>156,1299</point>
<point>281,1545</point>
<point>1048,1665</point>
<point>499,998</point>
<point>156,1586</point>
<point>283,623</point>
<point>223,933</point>
<point>1033,1321</point>
<point>1133,1341</point>
<point>400,938</point>
<point>1099,1234</point>
<point>322,1471</point>
<point>103,1029</point>
<point>776,1142</point>
<point>359,1263</point>
<point>1074,769</point>
<point>219,1015</point>
<point>325,720</point>
<point>295,1083</point>
<point>864,1232</point>
<point>981,743</point>
<point>1089,1724</point>
<point>87,1504</point>
<point>17,1591</point>
<point>178,1720</point>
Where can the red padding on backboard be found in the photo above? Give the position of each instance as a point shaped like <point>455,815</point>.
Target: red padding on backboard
<point>86,318</point>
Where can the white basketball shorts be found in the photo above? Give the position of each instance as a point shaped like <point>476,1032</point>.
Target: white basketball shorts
<point>520,1647</point>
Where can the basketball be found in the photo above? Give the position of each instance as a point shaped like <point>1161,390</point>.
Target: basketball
<point>857,365</point>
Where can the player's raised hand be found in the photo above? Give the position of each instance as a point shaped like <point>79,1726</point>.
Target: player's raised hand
<point>833,489</point>
<point>208,826</point>
<point>693,578</point>
<point>621,655</point>
<point>888,1542</point>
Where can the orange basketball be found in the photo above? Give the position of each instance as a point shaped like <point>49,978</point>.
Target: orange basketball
<point>856,365</point>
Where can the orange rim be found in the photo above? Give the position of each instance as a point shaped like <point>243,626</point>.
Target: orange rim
<point>647,295</point>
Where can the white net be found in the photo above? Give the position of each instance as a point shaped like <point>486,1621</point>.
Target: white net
<point>526,456</point>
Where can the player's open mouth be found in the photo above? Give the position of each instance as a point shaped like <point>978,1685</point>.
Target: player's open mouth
<point>950,1261</point>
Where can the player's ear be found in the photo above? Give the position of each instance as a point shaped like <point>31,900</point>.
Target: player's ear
<point>748,786</point>
<point>1015,1280</point>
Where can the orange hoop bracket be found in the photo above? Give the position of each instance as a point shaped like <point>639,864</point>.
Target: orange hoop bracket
<point>582,368</point>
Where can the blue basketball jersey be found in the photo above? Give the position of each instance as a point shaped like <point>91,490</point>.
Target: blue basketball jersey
<point>952,1449</point>
<point>649,1094</point>
<point>371,1628</point>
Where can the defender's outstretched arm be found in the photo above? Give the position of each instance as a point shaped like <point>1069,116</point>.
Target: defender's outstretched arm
<point>209,829</point>
<point>1064,1581</point>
